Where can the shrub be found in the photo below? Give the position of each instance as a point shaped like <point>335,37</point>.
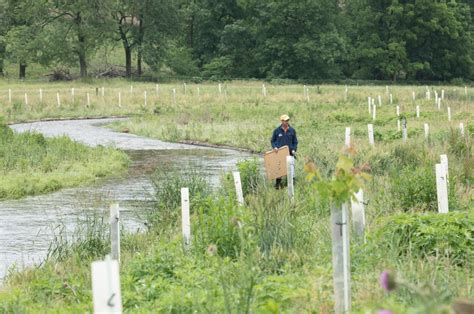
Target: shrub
<point>250,175</point>
<point>429,234</point>
<point>219,67</point>
<point>470,129</point>
<point>461,148</point>
<point>415,188</point>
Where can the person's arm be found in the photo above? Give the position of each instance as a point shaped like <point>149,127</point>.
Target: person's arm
<point>273,140</point>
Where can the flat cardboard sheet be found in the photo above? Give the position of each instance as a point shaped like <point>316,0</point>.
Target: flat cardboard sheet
<point>275,162</point>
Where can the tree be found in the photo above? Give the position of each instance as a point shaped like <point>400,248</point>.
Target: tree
<point>442,39</point>
<point>422,39</point>
<point>300,40</point>
<point>145,26</point>
<point>20,29</point>
<point>205,22</point>
<point>85,24</point>
<point>21,47</point>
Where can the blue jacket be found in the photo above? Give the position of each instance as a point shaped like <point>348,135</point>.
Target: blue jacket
<point>281,138</point>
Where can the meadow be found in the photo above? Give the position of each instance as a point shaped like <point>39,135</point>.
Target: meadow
<point>270,255</point>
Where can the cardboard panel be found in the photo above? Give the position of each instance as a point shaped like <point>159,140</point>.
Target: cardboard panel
<point>275,162</point>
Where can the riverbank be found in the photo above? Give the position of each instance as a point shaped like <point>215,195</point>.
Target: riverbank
<point>33,164</point>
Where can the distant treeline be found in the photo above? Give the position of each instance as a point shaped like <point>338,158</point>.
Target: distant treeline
<point>281,39</point>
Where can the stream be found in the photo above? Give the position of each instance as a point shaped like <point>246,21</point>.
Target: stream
<point>28,225</point>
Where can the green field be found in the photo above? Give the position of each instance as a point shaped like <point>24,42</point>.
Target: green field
<point>271,255</point>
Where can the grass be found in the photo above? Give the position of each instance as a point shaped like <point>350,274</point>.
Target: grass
<point>32,164</point>
<point>272,256</point>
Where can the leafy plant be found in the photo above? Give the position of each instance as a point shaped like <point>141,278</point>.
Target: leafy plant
<point>347,180</point>
<point>429,234</point>
<point>415,188</point>
<point>250,175</point>
<point>221,223</point>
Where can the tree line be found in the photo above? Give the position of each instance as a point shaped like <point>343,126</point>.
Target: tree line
<point>299,39</point>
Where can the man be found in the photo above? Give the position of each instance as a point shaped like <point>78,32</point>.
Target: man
<point>284,135</point>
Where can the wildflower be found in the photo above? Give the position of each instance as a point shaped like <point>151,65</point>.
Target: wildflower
<point>387,281</point>
<point>212,250</point>
<point>384,311</point>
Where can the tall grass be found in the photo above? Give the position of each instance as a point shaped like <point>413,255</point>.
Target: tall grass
<point>30,164</point>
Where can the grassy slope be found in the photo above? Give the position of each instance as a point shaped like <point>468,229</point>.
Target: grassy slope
<point>157,276</point>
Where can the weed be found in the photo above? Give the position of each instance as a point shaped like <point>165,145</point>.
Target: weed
<point>449,235</point>
<point>415,188</point>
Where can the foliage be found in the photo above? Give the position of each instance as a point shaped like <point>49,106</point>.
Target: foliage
<point>310,40</point>
<point>400,48</point>
<point>429,235</point>
<point>415,189</point>
<point>459,146</point>
<point>180,60</point>
<point>219,222</point>
<point>347,180</point>
<point>250,175</point>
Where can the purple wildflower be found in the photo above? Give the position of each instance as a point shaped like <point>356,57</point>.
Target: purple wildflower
<point>384,311</point>
<point>387,281</point>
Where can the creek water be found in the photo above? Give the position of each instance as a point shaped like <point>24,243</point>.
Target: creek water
<point>28,226</point>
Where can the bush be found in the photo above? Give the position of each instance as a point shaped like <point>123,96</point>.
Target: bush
<point>415,188</point>
<point>219,67</point>
<point>180,60</point>
<point>449,235</point>
<point>408,156</point>
<point>250,175</point>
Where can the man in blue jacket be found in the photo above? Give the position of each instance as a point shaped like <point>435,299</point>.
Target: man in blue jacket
<point>284,135</point>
